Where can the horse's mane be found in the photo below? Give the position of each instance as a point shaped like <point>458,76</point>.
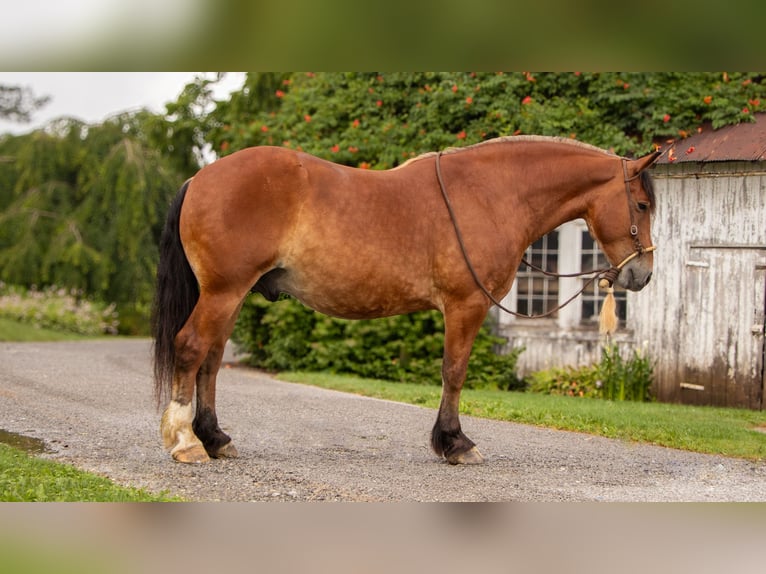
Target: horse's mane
<point>511,139</point>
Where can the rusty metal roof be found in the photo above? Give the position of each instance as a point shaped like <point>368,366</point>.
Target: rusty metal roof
<point>741,142</point>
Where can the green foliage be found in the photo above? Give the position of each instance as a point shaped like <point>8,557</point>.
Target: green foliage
<point>57,309</point>
<point>566,381</point>
<point>379,120</point>
<point>625,379</point>
<point>83,209</point>
<point>614,378</point>
<point>408,348</point>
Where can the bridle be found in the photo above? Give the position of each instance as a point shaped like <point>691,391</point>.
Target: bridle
<point>607,275</point>
<point>610,275</point>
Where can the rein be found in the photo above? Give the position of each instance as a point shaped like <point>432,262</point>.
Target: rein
<point>608,275</point>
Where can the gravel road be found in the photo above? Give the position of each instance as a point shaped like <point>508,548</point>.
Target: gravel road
<point>91,402</point>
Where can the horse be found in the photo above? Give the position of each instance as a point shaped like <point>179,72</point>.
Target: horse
<point>360,244</point>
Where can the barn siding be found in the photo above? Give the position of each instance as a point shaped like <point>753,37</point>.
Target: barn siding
<point>696,316</point>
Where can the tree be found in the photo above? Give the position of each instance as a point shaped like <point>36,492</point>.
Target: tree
<point>84,209</point>
<point>18,103</point>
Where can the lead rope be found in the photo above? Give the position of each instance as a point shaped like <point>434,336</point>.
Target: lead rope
<point>608,274</point>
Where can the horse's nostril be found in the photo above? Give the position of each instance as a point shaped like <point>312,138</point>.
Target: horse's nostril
<point>648,278</point>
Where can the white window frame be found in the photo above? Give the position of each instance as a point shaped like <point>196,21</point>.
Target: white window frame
<point>570,256</point>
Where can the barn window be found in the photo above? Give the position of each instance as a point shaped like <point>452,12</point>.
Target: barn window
<point>536,292</point>
<point>591,257</point>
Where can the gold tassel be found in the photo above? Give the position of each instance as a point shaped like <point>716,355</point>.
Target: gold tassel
<point>607,320</point>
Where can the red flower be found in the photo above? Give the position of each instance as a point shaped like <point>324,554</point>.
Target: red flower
<point>707,99</point>
<point>454,88</point>
<point>280,94</point>
<point>353,149</point>
<point>625,86</point>
<point>469,100</point>
<point>224,146</point>
<point>527,100</point>
<point>264,128</point>
<point>355,123</point>
<point>335,148</point>
<point>755,103</point>
<point>307,118</point>
<point>690,150</point>
<point>666,118</point>
<point>364,165</point>
<point>461,135</point>
<point>379,103</point>
<point>745,111</point>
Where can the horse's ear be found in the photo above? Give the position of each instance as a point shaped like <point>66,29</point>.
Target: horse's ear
<point>636,166</point>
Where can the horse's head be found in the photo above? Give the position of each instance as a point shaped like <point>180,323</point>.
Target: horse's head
<point>620,222</point>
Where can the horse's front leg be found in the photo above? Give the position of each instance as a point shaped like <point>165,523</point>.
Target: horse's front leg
<point>462,324</point>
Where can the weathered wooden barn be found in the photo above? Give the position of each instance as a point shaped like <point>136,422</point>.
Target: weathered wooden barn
<point>701,319</point>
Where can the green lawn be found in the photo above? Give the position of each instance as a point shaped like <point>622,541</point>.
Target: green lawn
<point>730,432</point>
<point>25,478</point>
<point>14,331</point>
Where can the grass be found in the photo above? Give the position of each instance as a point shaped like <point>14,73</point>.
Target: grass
<point>11,330</point>
<point>711,430</point>
<point>24,478</point>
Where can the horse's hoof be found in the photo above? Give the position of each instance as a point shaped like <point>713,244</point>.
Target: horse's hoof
<point>194,454</point>
<point>471,456</point>
<point>226,451</point>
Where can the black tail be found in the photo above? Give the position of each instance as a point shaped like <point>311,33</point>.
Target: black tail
<point>174,299</point>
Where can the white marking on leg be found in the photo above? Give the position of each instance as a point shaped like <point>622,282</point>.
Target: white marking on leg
<point>176,427</point>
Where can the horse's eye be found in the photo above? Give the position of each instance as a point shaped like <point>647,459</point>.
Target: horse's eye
<point>643,206</point>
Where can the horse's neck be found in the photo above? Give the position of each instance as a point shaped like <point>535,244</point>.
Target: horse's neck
<point>554,189</point>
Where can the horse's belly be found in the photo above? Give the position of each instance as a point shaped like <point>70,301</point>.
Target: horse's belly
<point>357,295</point>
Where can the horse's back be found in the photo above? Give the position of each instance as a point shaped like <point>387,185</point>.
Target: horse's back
<point>351,242</point>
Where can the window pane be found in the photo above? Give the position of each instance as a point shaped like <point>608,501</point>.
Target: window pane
<point>536,292</point>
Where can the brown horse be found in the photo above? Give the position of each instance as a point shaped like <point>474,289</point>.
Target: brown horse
<point>361,244</point>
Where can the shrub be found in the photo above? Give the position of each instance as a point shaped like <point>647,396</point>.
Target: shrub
<point>289,336</point>
<point>625,380</point>
<point>58,309</point>
<point>569,381</point>
<point>613,378</point>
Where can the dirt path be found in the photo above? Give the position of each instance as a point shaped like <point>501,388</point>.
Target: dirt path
<point>91,402</point>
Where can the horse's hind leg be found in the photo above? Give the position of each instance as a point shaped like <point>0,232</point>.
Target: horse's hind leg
<point>209,319</point>
<point>216,442</point>
<point>462,324</point>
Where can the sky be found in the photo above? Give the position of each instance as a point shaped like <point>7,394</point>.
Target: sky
<point>94,96</point>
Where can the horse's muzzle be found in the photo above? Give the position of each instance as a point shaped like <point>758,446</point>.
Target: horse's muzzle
<point>634,277</point>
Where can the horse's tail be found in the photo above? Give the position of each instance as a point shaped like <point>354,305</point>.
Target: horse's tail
<point>174,298</point>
